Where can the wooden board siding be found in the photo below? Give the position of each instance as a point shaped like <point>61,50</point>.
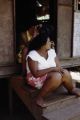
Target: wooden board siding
<point>64,28</point>
<point>6,32</point>
<point>65,2</point>
<point>70,62</point>
<point>6,36</point>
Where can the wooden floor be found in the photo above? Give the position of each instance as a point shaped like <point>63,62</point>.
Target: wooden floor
<point>19,113</point>
<point>54,109</point>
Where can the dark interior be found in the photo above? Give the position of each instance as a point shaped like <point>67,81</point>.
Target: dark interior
<point>26,12</point>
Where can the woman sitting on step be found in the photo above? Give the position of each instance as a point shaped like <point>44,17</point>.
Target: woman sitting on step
<point>43,68</point>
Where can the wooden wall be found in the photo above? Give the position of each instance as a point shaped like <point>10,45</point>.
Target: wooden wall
<point>6,37</point>
<point>64,28</point>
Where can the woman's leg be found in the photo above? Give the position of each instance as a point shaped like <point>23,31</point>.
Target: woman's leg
<point>52,82</point>
<point>68,84</point>
<point>67,80</point>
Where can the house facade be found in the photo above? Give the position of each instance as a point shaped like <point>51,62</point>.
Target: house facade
<point>64,17</point>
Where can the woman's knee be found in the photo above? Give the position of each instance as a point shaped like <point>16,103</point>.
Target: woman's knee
<point>55,77</point>
<point>66,76</point>
<point>66,73</point>
<point>52,82</point>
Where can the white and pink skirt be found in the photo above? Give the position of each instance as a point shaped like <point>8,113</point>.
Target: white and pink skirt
<point>36,82</point>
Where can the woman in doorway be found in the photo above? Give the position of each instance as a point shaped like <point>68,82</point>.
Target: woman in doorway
<point>25,36</point>
<point>43,68</point>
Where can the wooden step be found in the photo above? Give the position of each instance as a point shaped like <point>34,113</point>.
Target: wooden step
<point>60,101</point>
<point>68,112</point>
<point>53,102</point>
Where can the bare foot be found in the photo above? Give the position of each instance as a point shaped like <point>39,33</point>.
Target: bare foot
<point>76,91</point>
<point>40,102</point>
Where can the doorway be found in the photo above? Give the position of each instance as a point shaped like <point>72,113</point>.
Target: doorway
<point>29,11</point>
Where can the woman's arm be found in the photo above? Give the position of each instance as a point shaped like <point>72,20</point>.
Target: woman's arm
<point>33,66</point>
<point>58,65</point>
<point>57,62</point>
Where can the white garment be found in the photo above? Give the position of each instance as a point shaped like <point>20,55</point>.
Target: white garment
<point>42,62</point>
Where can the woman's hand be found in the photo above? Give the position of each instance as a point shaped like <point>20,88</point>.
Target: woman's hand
<point>58,69</point>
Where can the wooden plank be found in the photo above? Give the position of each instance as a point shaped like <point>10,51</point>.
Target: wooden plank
<point>77,117</point>
<point>70,62</point>
<point>65,113</point>
<point>65,2</point>
<point>6,32</point>
<point>64,31</point>
<point>53,101</point>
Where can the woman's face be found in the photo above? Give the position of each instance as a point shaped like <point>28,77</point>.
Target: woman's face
<point>48,44</point>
